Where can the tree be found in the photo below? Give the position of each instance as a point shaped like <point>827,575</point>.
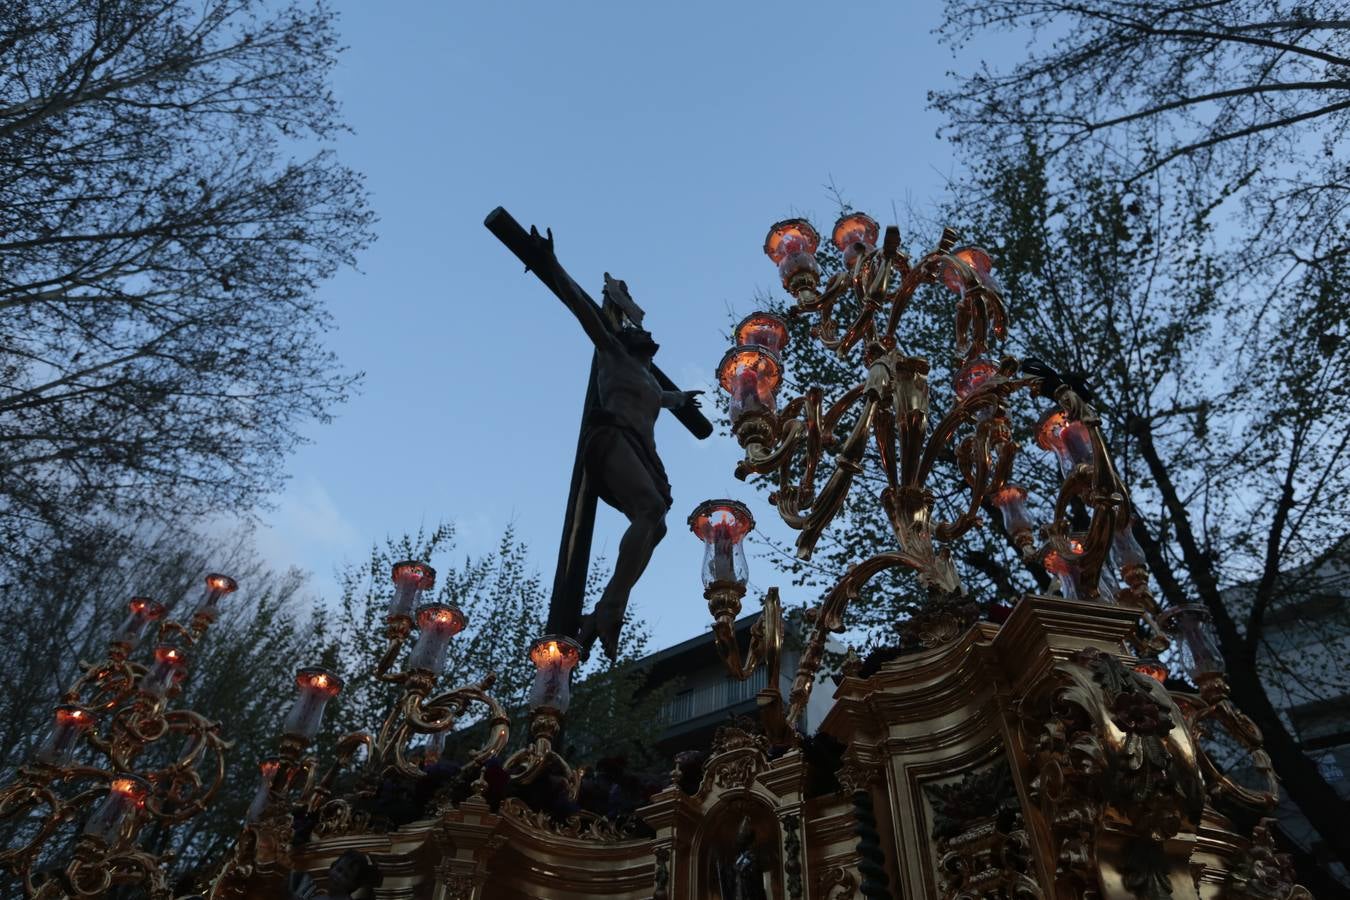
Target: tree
<point>160,249</point>
<point>1234,96</point>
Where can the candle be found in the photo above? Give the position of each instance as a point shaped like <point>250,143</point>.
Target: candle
<point>722,525</point>
<point>411,578</point>
<point>317,686</point>
<point>217,586</point>
<point>141,611</point>
<point>554,657</point>
<point>70,724</point>
<point>438,623</point>
<point>168,669</point>
<point>126,796</point>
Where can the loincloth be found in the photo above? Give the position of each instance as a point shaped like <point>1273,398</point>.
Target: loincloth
<point>602,429</point>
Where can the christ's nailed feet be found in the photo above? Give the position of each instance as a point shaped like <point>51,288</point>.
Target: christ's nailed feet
<point>604,623</point>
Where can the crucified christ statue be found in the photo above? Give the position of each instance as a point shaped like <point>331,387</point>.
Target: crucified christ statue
<point>617,458</point>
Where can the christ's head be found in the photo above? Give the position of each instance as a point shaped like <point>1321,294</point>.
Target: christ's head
<point>639,343</point>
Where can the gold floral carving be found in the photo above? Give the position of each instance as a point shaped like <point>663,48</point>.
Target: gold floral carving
<point>583,825</point>
<point>836,883</point>
<point>1102,737</point>
<point>458,884</point>
<point>857,774</point>
<point>738,758</point>
<point>337,818</point>
<point>941,620</point>
<point>1262,872</point>
<point>983,847</point>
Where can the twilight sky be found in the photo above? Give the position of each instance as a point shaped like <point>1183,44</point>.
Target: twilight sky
<point>659,142</point>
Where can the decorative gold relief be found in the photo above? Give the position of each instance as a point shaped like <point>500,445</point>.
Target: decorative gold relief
<point>583,825</point>
<point>836,883</point>
<point>1109,743</point>
<point>1263,873</point>
<point>983,847</point>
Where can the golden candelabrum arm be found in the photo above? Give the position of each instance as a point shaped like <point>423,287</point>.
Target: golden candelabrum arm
<point>766,635</point>
<point>397,629</point>
<point>532,760</point>
<point>766,648</point>
<point>315,793</point>
<point>440,713</point>
<point>1215,707</point>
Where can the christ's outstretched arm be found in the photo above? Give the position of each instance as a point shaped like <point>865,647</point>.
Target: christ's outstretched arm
<point>551,272</point>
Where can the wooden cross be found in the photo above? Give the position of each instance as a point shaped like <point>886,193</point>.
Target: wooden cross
<point>574,552</point>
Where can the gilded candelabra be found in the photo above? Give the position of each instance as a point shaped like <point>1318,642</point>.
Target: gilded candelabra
<point>98,762</point>
<point>418,716</point>
<point>889,407</point>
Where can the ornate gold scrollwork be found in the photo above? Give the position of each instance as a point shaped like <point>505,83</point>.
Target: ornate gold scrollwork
<point>1261,872</point>
<point>1215,708</point>
<point>982,842</point>
<point>1109,746</point>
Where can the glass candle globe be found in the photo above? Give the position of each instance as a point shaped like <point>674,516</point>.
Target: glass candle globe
<point>751,375</point>
<point>855,234</point>
<point>954,277</point>
<point>791,245</point>
<point>437,623</point>
<point>722,525</point>
<point>141,612</point>
<point>316,686</point>
<point>217,586</point>
<point>411,579</point>
<point>1193,629</point>
<point>167,670</point>
<point>126,796</point>
<point>71,722</point>
<point>554,658</point>
<point>762,329</point>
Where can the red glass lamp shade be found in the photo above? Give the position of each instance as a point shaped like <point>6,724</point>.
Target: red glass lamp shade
<point>751,375</point>
<point>1049,428</point>
<point>953,276</point>
<point>1152,668</point>
<point>268,768</point>
<point>217,586</point>
<point>411,578</point>
<point>437,624</point>
<point>792,244</point>
<point>1126,550</point>
<point>764,330</point>
<point>317,686</point>
<point>973,374</point>
<point>141,612</point>
<point>1066,567</point>
<point>71,722</point>
<point>126,796</point>
<point>1192,627</point>
<point>788,237</point>
<point>1011,502</point>
<point>1070,441</point>
<point>855,233</point>
<point>167,670</point>
<point>722,525</point>
<point>554,658</point>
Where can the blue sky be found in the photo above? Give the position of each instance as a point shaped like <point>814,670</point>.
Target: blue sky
<point>659,143</point>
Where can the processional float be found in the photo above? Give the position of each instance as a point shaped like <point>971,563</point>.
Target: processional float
<point>1045,756</point>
